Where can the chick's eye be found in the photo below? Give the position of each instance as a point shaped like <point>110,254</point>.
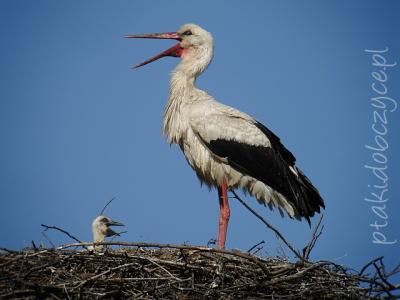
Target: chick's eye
<point>187,32</point>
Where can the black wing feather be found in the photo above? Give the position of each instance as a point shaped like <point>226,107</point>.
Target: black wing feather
<point>271,166</point>
<point>277,145</point>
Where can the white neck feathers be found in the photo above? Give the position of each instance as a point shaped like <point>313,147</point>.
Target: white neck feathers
<point>182,90</point>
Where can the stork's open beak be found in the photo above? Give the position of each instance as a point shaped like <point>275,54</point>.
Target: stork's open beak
<point>175,51</point>
<point>115,223</point>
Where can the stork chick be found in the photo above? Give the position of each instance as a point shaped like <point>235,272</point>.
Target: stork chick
<point>101,229</point>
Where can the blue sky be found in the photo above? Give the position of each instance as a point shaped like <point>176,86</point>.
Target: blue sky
<point>79,127</point>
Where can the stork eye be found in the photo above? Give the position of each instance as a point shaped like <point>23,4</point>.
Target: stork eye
<point>187,32</point>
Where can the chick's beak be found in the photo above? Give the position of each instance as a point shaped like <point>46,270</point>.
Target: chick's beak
<point>115,223</point>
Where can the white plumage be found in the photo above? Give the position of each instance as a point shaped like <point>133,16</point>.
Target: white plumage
<point>101,229</point>
<point>226,147</point>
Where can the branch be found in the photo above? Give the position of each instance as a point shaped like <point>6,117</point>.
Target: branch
<point>368,264</point>
<point>268,225</point>
<point>380,280</point>
<point>8,250</point>
<point>103,273</point>
<point>394,271</point>
<point>383,277</point>
<point>315,235</point>
<point>48,239</point>
<point>105,206</point>
<point>256,246</point>
<point>257,260</point>
<point>63,231</point>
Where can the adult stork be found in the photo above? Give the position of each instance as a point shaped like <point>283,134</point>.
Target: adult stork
<point>225,147</point>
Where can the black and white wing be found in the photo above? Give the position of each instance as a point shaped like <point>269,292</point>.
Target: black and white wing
<point>252,149</point>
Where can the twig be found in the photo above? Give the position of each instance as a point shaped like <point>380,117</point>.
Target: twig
<point>105,206</point>
<point>34,246</point>
<point>158,265</point>
<point>147,272</point>
<point>63,231</point>
<point>368,264</point>
<point>48,239</point>
<point>268,225</point>
<point>315,235</point>
<point>298,274</point>
<point>122,280</point>
<point>257,260</point>
<point>382,276</point>
<point>256,245</point>
<point>8,250</point>
<point>103,273</point>
<point>394,271</point>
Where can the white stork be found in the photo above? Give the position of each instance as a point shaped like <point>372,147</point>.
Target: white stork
<point>225,147</point>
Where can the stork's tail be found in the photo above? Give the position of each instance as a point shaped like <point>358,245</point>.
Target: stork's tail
<point>302,200</point>
<point>309,201</point>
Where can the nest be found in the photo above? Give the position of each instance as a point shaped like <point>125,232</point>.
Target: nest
<point>154,271</point>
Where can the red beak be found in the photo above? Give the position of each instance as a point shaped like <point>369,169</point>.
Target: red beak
<point>175,51</point>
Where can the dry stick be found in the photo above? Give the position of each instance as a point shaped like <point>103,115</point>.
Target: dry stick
<point>383,290</point>
<point>158,287</point>
<point>48,239</point>
<point>394,271</point>
<point>315,235</point>
<point>103,273</point>
<point>175,264</point>
<point>382,266</point>
<point>255,246</point>
<point>268,225</point>
<point>17,258</point>
<point>34,246</point>
<point>63,231</point>
<point>257,260</point>
<point>257,250</point>
<point>368,264</point>
<point>375,283</point>
<point>158,265</point>
<point>283,280</point>
<point>8,250</point>
<point>382,276</point>
<point>158,245</point>
<point>298,274</point>
<point>105,206</point>
<point>122,280</point>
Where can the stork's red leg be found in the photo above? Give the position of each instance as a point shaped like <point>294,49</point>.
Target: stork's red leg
<point>224,214</point>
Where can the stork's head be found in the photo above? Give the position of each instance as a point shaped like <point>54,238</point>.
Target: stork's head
<point>101,228</point>
<point>194,37</point>
<point>195,45</point>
